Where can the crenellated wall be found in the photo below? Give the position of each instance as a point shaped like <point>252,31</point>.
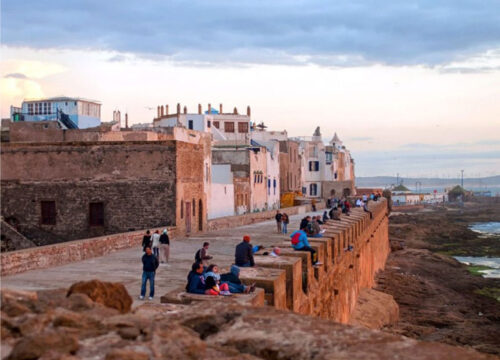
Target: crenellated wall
<point>330,290</point>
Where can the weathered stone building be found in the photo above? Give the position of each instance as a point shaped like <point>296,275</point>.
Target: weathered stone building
<point>54,192</point>
<point>290,166</point>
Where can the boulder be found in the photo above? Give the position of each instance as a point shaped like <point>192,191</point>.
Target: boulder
<point>48,342</point>
<point>113,295</point>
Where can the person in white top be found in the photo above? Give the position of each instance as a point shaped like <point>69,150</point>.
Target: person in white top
<point>155,239</point>
<point>276,252</point>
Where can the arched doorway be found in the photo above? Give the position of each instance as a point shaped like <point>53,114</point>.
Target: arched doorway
<point>346,192</point>
<point>200,215</point>
<point>332,192</point>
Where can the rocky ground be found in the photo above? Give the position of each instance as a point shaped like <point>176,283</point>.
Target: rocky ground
<point>94,321</point>
<point>438,297</point>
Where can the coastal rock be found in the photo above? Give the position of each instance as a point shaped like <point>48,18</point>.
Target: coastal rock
<point>16,302</point>
<point>113,295</point>
<point>47,342</point>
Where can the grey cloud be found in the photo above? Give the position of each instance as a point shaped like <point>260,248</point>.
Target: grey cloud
<point>16,76</point>
<point>340,33</point>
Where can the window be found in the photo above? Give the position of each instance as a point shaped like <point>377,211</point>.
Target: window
<point>190,124</point>
<point>96,214</point>
<point>30,109</point>
<point>209,124</point>
<point>313,165</point>
<point>48,212</point>
<point>313,189</point>
<point>268,186</point>
<point>304,190</point>
<point>194,207</point>
<point>229,126</point>
<point>274,186</point>
<point>329,157</point>
<point>182,209</point>
<point>216,124</point>
<point>242,127</point>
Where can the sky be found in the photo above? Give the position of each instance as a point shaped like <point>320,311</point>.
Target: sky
<point>411,87</point>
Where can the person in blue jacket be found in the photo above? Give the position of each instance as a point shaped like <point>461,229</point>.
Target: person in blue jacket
<point>300,243</point>
<point>196,280</point>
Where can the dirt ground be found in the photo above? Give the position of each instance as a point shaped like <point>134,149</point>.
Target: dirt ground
<point>437,296</point>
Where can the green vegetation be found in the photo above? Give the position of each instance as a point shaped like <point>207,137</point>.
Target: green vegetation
<point>492,292</point>
<point>477,270</point>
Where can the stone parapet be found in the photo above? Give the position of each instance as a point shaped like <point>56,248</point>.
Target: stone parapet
<point>329,290</point>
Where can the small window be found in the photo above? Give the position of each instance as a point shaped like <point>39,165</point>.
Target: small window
<point>242,127</point>
<point>48,212</point>
<point>209,124</point>
<point>190,124</point>
<point>182,209</point>
<point>194,207</point>
<point>229,127</point>
<point>313,189</point>
<point>216,124</point>
<point>269,186</point>
<point>96,214</point>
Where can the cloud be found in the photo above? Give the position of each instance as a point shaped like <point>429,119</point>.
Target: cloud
<point>340,33</point>
<point>16,76</point>
<point>118,58</point>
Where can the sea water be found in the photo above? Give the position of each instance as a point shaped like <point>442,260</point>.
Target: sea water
<point>489,228</point>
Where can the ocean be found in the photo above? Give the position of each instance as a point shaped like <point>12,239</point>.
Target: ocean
<point>489,228</point>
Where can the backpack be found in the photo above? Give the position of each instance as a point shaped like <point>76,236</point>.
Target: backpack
<point>296,238</point>
<point>197,256</point>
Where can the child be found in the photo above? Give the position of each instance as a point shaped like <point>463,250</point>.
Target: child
<point>212,288</point>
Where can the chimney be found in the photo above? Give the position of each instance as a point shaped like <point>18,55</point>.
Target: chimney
<point>161,111</point>
<point>178,108</point>
<point>209,108</point>
<point>119,116</point>
<point>220,108</point>
<point>199,109</point>
<point>185,109</point>
<point>248,111</point>
<point>235,112</point>
<point>158,111</point>
<point>166,110</point>
<point>126,121</point>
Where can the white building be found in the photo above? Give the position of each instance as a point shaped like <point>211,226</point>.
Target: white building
<point>272,175</point>
<point>221,202</point>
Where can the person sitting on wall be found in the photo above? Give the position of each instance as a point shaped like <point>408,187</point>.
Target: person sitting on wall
<point>149,265</point>
<point>318,219</point>
<point>276,252</point>
<point>335,214</point>
<point>347,208</point>
<point>232,279</point>
<point>325,216</point>
<point>243,255</point>
<point>365,209</point>
<point>317,232</point>
<point>212,288</point>
<point>300,243</point>
<point>359,203</point>
<point>202,256</point>
<point>195,279</point>
<point>304,222</point>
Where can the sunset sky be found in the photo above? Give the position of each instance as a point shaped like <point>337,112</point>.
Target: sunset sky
<point>410,87</point>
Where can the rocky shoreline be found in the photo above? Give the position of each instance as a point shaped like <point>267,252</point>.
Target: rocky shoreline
<point>438,298</point>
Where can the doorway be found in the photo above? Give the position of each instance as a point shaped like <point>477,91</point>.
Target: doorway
<point>188,217</point>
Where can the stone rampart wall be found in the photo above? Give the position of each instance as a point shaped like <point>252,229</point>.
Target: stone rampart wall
<point>352,251</point>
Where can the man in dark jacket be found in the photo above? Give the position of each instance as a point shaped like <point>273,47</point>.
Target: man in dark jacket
<point>278,218</point>
<point>243,256</point>
<point>164,246</point>
<point>195,279</point>
<point>149,265</point>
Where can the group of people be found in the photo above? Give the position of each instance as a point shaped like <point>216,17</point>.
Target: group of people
<point>156,249</point>
<point>282,221</point>
<point>206,279</point>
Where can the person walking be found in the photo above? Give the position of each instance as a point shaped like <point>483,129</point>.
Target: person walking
<point>285,220</point>
<point>149,265</point>
<point>146,240</point>
<point>164,246</point>
<point>155,241</point>
<point>279,219</point>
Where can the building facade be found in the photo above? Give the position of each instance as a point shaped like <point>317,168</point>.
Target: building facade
<point>71,113</point>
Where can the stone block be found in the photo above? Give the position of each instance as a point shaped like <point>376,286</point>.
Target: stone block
<point>273,281</point>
